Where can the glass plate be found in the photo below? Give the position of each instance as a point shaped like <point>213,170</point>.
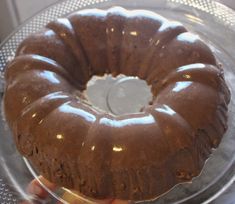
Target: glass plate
<point>214,22</point>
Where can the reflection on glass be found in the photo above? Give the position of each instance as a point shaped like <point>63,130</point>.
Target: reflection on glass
<point>66,108</point>
<point>179,86</point>
<point>186,76</point>
<point>50,76</point>
<point>92,148</point>
<point>191,66</point>
<point>34,115</point>
<point>66,22</point>
<point>59,136</point>
<point>188,37</point>
<point>166,109</point>
<point>134,33</point>
<point>117,149</point>
<point>130,121</point>
<point>194,19</point>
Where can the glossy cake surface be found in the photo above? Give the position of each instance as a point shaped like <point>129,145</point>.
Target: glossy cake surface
<point>135,156</point>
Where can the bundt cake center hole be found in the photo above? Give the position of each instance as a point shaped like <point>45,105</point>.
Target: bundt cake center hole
<point>118,95</point>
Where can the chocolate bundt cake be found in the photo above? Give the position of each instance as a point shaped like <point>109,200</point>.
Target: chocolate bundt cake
<point>136,156</point>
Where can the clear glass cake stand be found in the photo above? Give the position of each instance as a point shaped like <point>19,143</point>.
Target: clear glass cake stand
<point>214,22</point>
